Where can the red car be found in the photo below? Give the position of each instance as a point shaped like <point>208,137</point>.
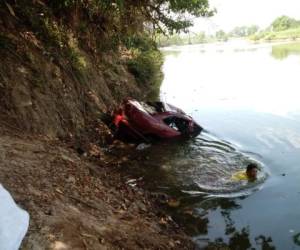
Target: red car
<point>153,120</point>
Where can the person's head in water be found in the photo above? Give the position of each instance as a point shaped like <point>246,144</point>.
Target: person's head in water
<point>252,171</point>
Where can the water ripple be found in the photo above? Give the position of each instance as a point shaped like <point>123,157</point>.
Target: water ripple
<point>205,165</point>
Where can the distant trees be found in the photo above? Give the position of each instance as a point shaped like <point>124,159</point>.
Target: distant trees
<point>282,28</point>
<point>182,39</point>
<point>243,31</point>
<point>221,35</point>
<point>239,31</point>
<point>199,38</point>
<point>284,23</point>
<point>252,30</point>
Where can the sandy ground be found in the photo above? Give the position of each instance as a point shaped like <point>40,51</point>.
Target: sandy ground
<point>76,203</point>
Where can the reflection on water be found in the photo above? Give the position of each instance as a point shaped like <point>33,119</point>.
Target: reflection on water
<point>282,51</point>
<point>198,173</point>
<point>248,102</point>
<point>234,238</point>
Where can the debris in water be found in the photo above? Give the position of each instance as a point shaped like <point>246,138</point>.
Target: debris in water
<point>143,146</point>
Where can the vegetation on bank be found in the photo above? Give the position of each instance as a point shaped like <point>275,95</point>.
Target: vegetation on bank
<point>202,37</point>
<point>282,28</point>
<point>64,65</point>
<point>183,39</point>
<point>67,62</point>
<point>69,28</point>
<point>289,34</point>
<point>145,62</point>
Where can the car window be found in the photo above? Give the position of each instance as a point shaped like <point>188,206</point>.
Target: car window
<point>177,123</point>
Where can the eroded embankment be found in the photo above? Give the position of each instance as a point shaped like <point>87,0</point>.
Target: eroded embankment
<point>62,69</point>
<point>76,203</point>
<point>42,92</point>
<point>59,79</point>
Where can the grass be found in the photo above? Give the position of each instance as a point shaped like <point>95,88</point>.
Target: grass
<point>290,34</point>
<point>77,60</point>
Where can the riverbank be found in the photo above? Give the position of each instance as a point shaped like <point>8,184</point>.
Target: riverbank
<point>82,200</point>
<point>60,78</point>
<point>292,34</point>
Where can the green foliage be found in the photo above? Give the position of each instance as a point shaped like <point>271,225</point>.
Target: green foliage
<point>284,22</point>
<point>201,37</point>
<point>145,66</point>
<point>52,33</point>
<point>41,21</point>
<point>111,19</point>
<point>221,35</point>
<point>142,42</point>
<point>146,63</point>
<point>101,25</point>
<point>198,38</point>
<point>290,34</point>
<point>282,28</point>
<point>77,60</point>
<point>244,31</point>
<point>270,36</point>
<point>253,29</point>
<point>257,36</point>
<point>164,15</point>
<point>174,39</point>
<point>183,39</point>
<point>240,31</point>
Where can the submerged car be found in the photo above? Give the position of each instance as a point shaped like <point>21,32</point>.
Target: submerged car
<point>153,120</point>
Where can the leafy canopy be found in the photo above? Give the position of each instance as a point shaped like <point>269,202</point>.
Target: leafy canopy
<point>175,15</point>
<point>284,23</point>
<point>166,16</point>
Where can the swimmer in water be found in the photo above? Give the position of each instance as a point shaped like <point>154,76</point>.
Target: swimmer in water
<point>249,175</point>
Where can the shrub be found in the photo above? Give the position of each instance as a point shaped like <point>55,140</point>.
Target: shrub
<point>77,60</point>
<point>145,66</point>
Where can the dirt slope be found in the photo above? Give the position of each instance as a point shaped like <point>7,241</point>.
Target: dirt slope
<point>54,96</point>
<point>76,204</point>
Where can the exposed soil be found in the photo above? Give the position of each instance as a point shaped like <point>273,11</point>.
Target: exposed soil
<point>75,202</point>
<point>73,188</point>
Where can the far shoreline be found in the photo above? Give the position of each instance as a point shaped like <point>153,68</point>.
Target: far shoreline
<point>246,41</point>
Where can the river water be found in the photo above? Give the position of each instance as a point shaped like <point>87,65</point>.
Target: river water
<point>246,96</point>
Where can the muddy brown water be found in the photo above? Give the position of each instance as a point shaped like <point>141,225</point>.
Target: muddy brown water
<point>246,96</point>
